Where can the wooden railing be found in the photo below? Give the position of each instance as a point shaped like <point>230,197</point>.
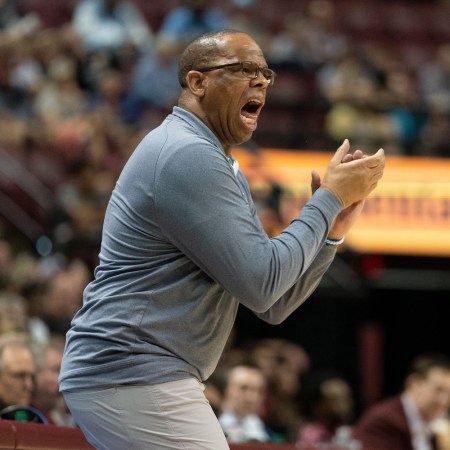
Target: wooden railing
<point>34,436</point>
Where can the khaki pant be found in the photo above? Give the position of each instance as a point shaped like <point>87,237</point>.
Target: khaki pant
<point>173,416</point>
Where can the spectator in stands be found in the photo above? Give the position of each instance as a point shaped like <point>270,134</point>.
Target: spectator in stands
<point>404,421</point>
<point>13,313</point>
<point>403,108</point>
<point>308,38</point>
<point>107,25</point>
<point>17,370</point>
<point>154,81</point>
<point>15,316</point>
<point>82,198</point>
<point>10,14</point>
<point>114,114</point>
<point>14,21</point>
<point>61,107</point>
<point>435,135</point>
<point>191,19</point>
<point>434,81</point>
<point>46,396</point>
<point>434,88</point>
<point>15,108</point>
<point>62,296</point>
<point>214,390</point>
<point>243,402</point>
<point>283,364</point>
<point>327,404</point>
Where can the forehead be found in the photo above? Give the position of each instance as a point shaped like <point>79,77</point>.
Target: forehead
<point>240,47</point>
<point>16,356</point>
<point>436,378</point>
<point>439,375</point>
<point>246,377</point>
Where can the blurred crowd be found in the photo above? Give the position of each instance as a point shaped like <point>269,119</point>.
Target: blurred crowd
<point>76,98</point>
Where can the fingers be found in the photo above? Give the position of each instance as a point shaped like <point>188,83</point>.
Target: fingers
<point>376,159</point>
<point>315,181</point>
<point>341,152</point>
<point>347,158</point>
<point>359,154</point>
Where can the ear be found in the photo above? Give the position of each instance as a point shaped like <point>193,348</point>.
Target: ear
<point>196,82</point>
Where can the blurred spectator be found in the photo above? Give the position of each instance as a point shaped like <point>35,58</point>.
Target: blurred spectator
<point>26,74</point>
<point>113,117</point>
<point>435,135</point>
<point>14,21</point>
<point>17,370</point>
<point>405,421</point>
<point>9,14</point>
<point>62,296</point>
<point>214,387</point>
<point>14,106</point>
<point>107,25</point>
<point>345,79</point>
<point>434,81</point>
<point>154,80</point>
<point>349,90</point>
<point>243,400</point>
<point>15,317</point>
<point>370,115</point>
<point>46,396</point>
<point>61,106</point>
<point>327,404</point>
<point>81,200</point>
<point>191,19</point>
<point>308,38</point>
<point>402,104</point>
<point>13,313</point>
<point>283,364</point>
<point>434,87</point>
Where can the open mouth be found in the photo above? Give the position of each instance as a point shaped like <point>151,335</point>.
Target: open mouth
<point>250,112</point>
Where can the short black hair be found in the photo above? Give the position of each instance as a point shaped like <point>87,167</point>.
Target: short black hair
<point>201,52</point>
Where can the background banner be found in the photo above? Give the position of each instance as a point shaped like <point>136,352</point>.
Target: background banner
<point>408,213</point>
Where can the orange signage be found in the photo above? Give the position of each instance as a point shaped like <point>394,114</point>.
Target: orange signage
<point>408,212</point>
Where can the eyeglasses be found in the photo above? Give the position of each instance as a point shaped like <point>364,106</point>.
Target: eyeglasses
<point>247,69</point>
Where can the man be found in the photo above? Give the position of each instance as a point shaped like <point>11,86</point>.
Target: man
<point>46,396</point>
<point>404,422</point>
<point>245,389</point>
<point>17,370</point>
<point>182,248</point>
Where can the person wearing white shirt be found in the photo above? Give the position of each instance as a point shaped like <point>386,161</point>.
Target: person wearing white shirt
<point>242,405</point>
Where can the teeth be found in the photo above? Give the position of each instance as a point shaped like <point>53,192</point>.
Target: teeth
<point>248,120</point>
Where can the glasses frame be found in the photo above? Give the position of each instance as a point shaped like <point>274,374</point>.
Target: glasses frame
<point>268,74</point>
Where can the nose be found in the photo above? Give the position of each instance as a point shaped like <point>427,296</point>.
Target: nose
<point>260,80</point>
<point>29,383</point>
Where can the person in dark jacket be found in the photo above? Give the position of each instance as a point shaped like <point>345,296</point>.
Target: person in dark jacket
<point>404,421</point>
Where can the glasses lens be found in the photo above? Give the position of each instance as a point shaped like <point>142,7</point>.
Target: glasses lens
<point>269,75</point>
<point>249,69</point>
